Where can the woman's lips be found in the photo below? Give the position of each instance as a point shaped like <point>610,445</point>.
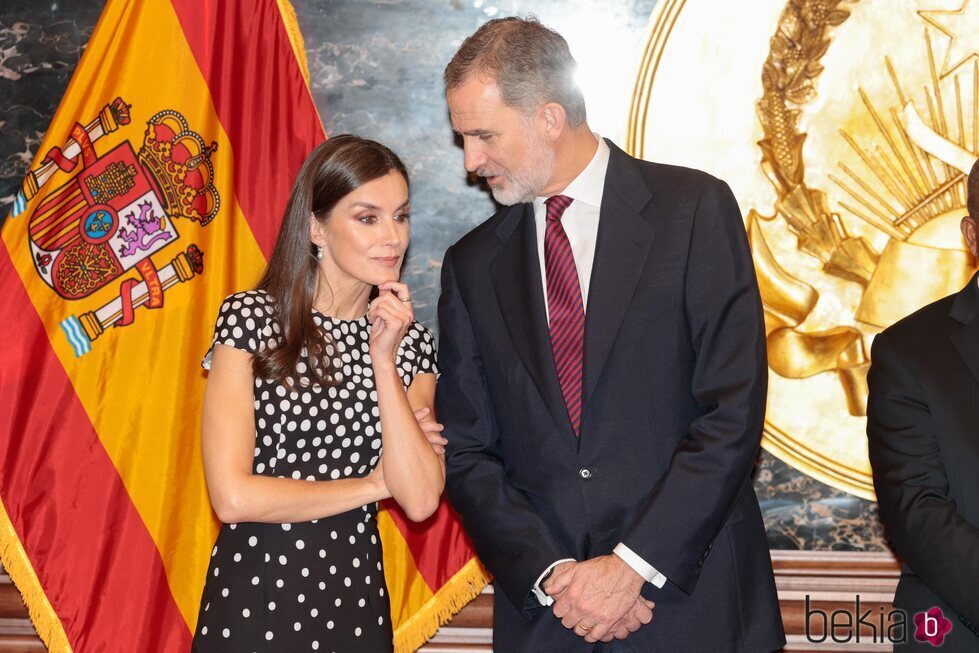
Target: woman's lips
<point>389,261</point>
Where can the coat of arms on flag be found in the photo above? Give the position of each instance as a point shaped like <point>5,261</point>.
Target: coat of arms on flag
<point>116,211</point>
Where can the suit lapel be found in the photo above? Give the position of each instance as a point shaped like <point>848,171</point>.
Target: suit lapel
<point>520,293</point>
<point>624,240</point>
<point>965,309</point>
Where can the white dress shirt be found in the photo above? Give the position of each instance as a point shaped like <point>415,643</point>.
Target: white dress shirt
<point>580,222</point>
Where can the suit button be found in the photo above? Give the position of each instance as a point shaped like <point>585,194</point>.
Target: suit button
<point>584,472</point>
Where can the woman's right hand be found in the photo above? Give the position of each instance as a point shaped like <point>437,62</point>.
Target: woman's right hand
<point>390,314</point>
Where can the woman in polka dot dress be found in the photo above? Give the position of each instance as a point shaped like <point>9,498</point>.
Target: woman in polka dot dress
<point>309,383</point>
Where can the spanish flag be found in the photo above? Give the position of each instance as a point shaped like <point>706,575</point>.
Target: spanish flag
<point>157,191</point>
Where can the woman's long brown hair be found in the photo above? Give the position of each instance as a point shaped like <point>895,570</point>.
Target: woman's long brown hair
<point>331,171</point>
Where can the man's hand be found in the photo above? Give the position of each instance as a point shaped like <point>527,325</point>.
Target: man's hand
<point>431,429</point>
<point>598,597</point>
<point>640,615</point>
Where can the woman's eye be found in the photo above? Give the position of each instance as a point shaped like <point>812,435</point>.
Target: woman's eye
<point>368,219</point>
<point>402,217</point>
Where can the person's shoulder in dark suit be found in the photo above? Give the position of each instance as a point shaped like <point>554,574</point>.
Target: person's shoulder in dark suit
<point>688,191</point>
<point>473,239</point>
<point>915,338</point>
<point>678,181</point>
<point>682,181</point>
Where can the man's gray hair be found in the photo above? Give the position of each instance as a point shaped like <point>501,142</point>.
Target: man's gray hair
<point>531,64</point>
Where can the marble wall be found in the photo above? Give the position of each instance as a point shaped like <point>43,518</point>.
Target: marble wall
<point>376,70</point>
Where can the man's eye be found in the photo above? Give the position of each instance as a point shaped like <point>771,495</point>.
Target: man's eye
<point>485,137</point>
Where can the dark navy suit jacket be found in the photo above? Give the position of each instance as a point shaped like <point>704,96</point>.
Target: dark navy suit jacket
<point>675,379</point>
<point>923,428</point>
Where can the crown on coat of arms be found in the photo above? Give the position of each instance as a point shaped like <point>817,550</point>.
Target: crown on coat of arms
<point>179,162</point>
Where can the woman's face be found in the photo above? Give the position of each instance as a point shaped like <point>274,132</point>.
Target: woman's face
<point>366,235</point>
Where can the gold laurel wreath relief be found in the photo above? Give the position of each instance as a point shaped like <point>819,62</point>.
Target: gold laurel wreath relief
<point>901,177</point>
<point>915,195</point>
<point>788,79</point>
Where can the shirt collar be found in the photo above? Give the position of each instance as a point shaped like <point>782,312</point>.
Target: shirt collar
<point>589,185</point>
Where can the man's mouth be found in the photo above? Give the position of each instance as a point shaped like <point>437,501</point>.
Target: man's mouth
<point>491,177</point>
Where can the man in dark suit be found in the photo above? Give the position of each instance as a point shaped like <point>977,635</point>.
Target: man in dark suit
<point>923,430</point>
<point>603,375</point>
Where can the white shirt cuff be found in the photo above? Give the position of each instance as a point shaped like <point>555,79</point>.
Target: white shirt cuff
<point>640,566</point>
<point>538,591</point>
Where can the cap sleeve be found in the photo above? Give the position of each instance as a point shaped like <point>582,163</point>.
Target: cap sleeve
<point>246,322</point>
<point>417,354</point>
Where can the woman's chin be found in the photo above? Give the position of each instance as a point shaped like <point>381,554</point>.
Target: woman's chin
<point>378,279</point>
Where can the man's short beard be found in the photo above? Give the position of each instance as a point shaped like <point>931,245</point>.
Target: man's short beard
<point>529,181</point>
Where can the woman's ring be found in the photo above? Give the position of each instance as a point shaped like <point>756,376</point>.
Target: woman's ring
<point>406,300</point>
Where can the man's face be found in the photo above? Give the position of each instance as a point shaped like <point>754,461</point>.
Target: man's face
<point>500,144</point>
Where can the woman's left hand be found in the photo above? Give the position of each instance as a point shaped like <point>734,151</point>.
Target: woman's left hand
<point>390,314</point>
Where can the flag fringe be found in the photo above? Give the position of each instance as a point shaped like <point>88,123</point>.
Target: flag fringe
<point>18,567</point>
<point>462,588</point>
<point>288,13</point>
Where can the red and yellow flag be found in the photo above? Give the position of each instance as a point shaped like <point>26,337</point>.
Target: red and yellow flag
<point>157,191</point>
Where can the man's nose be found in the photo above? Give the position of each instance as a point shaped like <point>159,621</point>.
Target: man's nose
<point>474,156</point>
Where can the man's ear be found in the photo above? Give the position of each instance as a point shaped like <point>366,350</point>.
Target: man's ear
<point>552,121</point>
<point>969,229</point>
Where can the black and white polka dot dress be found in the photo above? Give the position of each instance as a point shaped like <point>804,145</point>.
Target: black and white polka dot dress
<point>318,585</point>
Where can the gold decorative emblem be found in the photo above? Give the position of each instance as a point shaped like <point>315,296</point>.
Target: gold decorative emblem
<point>865,125</point>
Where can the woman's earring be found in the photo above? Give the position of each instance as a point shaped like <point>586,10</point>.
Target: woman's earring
<point>319,252</point>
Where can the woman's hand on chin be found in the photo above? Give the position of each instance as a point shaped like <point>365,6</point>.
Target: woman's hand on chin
<point>390,315</point>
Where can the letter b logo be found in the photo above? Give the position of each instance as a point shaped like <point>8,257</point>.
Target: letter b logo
<point>931,626</point>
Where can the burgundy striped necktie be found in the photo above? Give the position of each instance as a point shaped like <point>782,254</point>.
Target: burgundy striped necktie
<point>567,313</point>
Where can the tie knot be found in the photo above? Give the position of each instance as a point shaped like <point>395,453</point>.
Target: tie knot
<point>556,204</point>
